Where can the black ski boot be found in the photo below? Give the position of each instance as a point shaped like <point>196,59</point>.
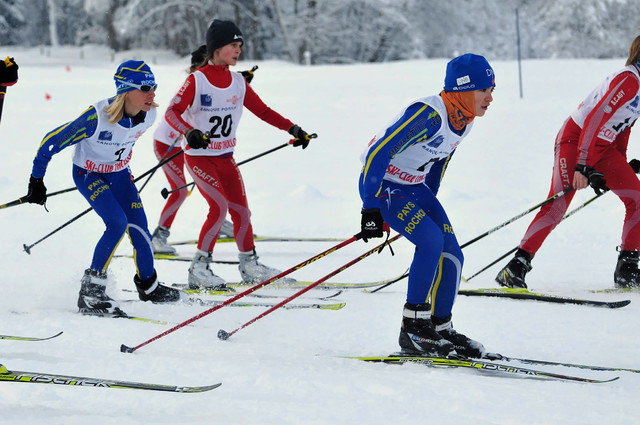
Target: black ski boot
<point>418,336</point>
<point>92,298</point>
<point>152,290</point>
<point>627,274</point>
<point>512,275</point>
<point>463,345</point>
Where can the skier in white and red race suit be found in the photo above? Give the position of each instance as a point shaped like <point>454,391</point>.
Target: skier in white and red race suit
<point>591,150</point>
<point>207,110</point>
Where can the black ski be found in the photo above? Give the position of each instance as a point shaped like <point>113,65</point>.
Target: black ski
<point>28,338</point>
<point>525,294</point>
<point>491,367</point>
<point>78,381</point>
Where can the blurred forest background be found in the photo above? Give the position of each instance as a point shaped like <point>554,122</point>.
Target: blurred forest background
<point>334,31</point>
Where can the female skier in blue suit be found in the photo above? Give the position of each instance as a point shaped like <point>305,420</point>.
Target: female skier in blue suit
<point>104,136</point>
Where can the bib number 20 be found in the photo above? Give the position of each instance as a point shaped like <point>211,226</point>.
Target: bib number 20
<point>221,126</point>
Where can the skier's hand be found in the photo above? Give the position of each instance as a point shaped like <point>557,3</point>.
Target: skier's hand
<point>635,165</point>
<point>8,72</point>
<point>37,193</point>
<point>248,74</point>
<point>594,178</point>
<point>371,225</point>
<point>196,139</point>
<point>302,138</point>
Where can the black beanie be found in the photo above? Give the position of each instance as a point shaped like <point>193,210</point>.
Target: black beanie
<point>197,56</point>
<point>221,33</point>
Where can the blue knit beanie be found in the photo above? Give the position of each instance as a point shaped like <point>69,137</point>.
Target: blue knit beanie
<point>135,72</point>
<point>468,72</point>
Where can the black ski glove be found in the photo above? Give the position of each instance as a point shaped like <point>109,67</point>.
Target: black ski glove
<point>8,72</point>
<point>635,165</point>
<point>248,75</point>
<point>302,138</point>
<point>196,139</point>
<point>37,193</point>
<point>596,178</point>
<point>371,224</point>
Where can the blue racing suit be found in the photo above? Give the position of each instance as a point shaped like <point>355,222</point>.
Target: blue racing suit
<point>102,176</point>
<point>403,167</point>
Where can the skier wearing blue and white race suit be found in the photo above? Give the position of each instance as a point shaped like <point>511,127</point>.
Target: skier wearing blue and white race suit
<point>104,135</point>
<point>403,167</point>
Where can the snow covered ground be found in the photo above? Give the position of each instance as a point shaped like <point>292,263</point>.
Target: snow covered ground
<point>287,367</point>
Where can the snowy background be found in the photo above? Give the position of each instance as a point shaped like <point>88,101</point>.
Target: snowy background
<point>286,368</point>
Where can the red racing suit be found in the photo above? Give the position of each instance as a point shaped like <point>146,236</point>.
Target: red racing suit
<point>596,134</point>
<point>211,100</point>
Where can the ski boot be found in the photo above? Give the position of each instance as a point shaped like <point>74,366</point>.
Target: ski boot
<point>152,290</point>
<point>254,272</point>
<point>627,274</point>
<point>159,242</point>
<point>463,345</point>
<point>418,335</point>
<point>226,232</point>
<point>92,298</point>
<point>512,275</point>
<point>201,276</point>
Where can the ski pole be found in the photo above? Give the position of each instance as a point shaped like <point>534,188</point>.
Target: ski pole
<point>569,214</point>
<point>23,199</point>
<point>14,203</point>
<point>488,232</point>
<point>166,192</point>
<point>27,248</point>
<point>522,214</point>
<point>224,335</point>
<point>126,349</point>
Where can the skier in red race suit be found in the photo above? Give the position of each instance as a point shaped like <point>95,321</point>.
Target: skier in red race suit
<point>207,110</point>
<point>591,150</point>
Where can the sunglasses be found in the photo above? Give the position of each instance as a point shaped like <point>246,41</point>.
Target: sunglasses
<point>144,87</point>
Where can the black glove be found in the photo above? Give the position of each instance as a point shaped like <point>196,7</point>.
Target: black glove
<point>596,178</point>
<point>635,165</point>
<point>196,139</point>
<point>37,193</point>
<point>248,75</point>
<point>371,224</point>
<point>302,138</point>
<point>8,72</point>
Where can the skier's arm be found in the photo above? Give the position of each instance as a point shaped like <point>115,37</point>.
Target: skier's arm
<point>253,103</point>
<point>622,89</point>
<point>62,137</point>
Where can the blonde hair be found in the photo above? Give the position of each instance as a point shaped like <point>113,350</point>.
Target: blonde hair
<point>115,110</point>
<point>634,52</point>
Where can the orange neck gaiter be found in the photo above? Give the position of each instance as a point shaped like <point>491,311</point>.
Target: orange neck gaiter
<point>461,107</point>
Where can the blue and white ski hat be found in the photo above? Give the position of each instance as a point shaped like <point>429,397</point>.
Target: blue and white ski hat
<point>468,72</point>
<point>133,72</point>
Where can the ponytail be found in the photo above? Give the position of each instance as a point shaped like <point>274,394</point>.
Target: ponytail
<point>634,52</point>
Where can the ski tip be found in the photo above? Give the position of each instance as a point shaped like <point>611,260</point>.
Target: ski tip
<point>125,349</point>
<point>223,335</point>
